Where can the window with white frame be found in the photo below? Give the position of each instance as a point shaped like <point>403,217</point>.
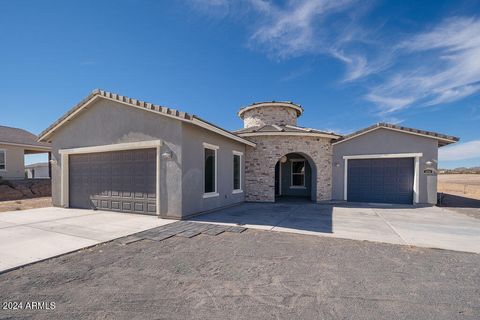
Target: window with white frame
<point>3,160</point>
<point>210,169</point>
<point>237,171</point>
<point>297,173</point>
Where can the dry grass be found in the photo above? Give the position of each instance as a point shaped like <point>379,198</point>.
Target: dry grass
<point>466,185</point>
<point>24,204</point>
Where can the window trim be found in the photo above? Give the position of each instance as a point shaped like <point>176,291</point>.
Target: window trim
<point>291,173</point>
<point>240,190</point>
<point>5,160</point>
<point>215,149</point>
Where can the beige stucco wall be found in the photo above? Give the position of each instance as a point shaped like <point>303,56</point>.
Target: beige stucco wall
<point>269,115</point>
<point>15,168</point>
<point>260,165</point>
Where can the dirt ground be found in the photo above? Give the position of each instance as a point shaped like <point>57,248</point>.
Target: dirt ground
<point>251,275</point>
<point>466,185</point>
<point>25,204</point>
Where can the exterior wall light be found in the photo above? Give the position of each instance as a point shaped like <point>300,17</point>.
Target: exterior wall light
<point>167,155</point>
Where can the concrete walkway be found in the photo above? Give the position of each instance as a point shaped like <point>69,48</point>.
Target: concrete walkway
<point>33,235</point>
<point>430,227</point>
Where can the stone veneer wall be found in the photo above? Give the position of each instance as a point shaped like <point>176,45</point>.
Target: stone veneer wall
<point>260,164</point>
<point>269,115</point>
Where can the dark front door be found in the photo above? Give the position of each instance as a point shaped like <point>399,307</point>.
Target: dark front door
<point>122,181</point>
<point>381,180</point>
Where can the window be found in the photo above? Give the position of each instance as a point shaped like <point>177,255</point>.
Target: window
<point>237,172</point>
<point>3,160</point>
<point>298,174</point>
<point>210,170</point>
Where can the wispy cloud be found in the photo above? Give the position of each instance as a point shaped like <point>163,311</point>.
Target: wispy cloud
<point>297,28</point>
<point>212,7</point>
<point>461,151</point>
<point>443,66</point>
<point>435,66</point>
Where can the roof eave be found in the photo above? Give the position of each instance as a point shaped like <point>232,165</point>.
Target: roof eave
<point>162,111</point>
<point>288,133</point>
<point>445,141</point>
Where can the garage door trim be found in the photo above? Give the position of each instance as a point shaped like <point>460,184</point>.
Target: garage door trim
<point>64,166</point>
<point>416,156</point>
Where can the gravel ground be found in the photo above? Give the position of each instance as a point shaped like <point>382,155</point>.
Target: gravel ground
<point>250,275</point>
<point>24,204</point>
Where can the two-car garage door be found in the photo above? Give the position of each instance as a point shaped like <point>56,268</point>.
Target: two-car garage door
<point>122,181</point>
<point>380,180</point>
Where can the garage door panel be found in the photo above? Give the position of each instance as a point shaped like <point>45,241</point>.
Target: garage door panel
<point>119,181</point>
<point>380,180</point>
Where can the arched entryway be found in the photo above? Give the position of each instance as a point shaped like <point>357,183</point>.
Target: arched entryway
<point>295,178</point>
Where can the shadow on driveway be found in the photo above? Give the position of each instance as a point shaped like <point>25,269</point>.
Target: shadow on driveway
<point>306,216</point>
<point>298,215</point>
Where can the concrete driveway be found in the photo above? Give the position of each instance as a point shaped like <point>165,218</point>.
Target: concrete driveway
<point>33,235</point>
<point>430,227</point>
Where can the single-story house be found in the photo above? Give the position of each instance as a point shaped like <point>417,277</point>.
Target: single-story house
<point>40,170</point>
<point>15,143</point>
<point>111,152</point>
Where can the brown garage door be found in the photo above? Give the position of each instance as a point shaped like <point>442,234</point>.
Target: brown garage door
<point>122,181</point>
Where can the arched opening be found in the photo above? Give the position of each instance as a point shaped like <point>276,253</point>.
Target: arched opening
<point>295,178</point>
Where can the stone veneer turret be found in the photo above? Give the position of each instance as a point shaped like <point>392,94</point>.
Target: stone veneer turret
<point>274,143</point>
<point>270,113</point>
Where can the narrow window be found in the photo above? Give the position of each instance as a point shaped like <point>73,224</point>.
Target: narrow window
<point>236,172</point>
<point>298,173</point>
<point>210,174</point>
<point>2,160</point>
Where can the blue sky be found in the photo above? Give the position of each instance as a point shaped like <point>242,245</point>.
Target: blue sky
<point>348,63</point>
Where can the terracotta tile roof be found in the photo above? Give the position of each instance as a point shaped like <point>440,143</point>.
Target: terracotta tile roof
<point>141,104</point>
<point>19,136</point>
<point>443,138</point>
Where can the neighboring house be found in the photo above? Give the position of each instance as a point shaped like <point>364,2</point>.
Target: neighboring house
<point>14,145</point>
<point>38,170</point>
<point>112,152</point>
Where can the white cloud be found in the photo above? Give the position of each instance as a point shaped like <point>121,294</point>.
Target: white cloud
<point>461,151</point>
<point>389,104</point>
<point>444,66</point>
<point>436,66</point>
<point>294,29</point>
<point>357,65</point>
<point>298,27</point>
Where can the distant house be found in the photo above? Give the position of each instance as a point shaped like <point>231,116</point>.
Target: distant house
<point>14,145</point>
<point>37,171</point>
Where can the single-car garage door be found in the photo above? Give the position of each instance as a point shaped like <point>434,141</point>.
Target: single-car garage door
<point>122,181</point>
<point>381,180</point>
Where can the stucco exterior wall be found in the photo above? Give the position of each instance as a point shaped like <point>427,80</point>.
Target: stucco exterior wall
<point>260,165</point>
<point>193,170</point>
<point>15,162</point>
<point>107,122</point>
<point>269,115</point>
<point>383,141</point>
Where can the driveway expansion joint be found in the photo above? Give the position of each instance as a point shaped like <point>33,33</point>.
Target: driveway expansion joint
<point>391,227</point>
